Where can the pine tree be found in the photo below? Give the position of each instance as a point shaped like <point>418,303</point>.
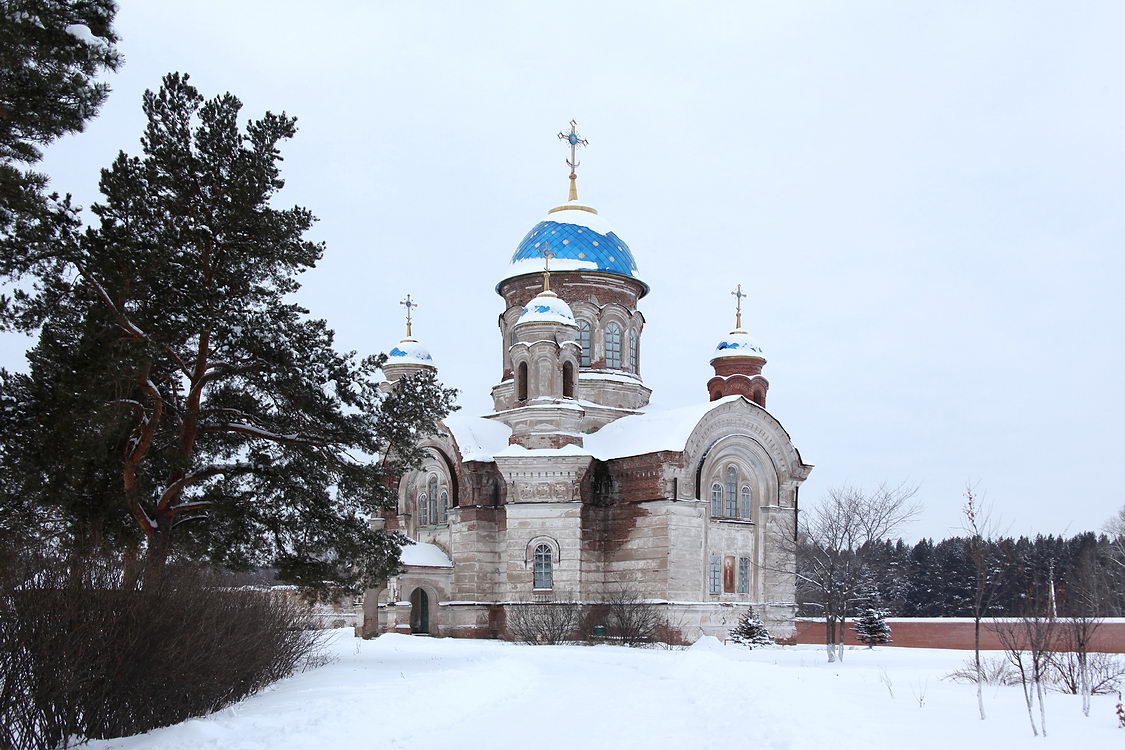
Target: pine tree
<point>872,627</point>
<point>50,53</point>
<point>750,631</point>
<point>177,402</point>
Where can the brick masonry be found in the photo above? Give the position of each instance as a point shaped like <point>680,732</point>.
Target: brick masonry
<point>955,633</point>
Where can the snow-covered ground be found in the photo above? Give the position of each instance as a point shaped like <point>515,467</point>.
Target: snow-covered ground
<point>409,692</point>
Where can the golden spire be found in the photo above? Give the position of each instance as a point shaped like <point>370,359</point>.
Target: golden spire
<point>738,296</point>
<point>574,141</point>
<point>409,304</point>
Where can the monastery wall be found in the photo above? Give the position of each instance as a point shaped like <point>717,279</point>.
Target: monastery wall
<point>955,632</point>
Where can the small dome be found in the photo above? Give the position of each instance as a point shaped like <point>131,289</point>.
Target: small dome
<point>409,352</point>
<point>737,344</point>
<point>579,239</point>
<point>548,307</point>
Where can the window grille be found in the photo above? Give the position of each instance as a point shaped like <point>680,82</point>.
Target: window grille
<point>423,510</point>
<point>732,492</point>
<point>443,506</point>
<point>613,346</point>
<point>633,351</point>
<point>544,575</point>
<point>584,342</point>
<point>434,517</point>
<point>746,503</point>
<point>716,500</point>
<point>744,575</point>
<point>715,577</point>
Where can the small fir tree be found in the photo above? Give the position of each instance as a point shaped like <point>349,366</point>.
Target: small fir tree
<point>872,627</point>
<point>750,632</point>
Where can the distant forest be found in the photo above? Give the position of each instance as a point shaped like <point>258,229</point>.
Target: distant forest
<point>1081,575</point>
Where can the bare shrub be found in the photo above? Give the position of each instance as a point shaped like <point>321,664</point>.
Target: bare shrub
<point>82,657</point>
<point>545,623</point>
<point>1103,672</point>
<point>993,671</point>
<point>631,619</point>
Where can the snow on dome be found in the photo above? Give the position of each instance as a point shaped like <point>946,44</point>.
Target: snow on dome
<point>409,352</point>
<point>738,344</point>
<point>547,308</point>
<point>579,239</point>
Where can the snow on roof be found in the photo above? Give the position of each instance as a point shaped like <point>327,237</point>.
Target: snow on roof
<point>409,352</point>
<point>566,450</point>
<point>738,344</point>
<point>535,265</point>
<point>548,307</point>
<point>649,432</point>
<point>425,555</point>
<point>616,377</point>
<point>571,214</point>
<point>478,439</point>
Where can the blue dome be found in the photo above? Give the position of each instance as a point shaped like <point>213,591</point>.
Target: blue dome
<point>579,240</point>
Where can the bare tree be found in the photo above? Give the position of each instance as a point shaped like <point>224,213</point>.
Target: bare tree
<point>1115,528</point>
<point>1028,643</point>
<point>1087,591</point>
<point>833,548</point>
<point>979,528</point>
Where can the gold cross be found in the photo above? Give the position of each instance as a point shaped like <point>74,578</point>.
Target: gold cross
<point>739,296</point>
<point>409,304</point>
<point>547,255</point>
<point>574,141</point>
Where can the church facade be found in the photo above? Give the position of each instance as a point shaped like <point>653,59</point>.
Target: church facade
<point>572,488</point>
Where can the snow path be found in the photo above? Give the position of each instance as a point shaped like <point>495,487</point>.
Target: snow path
<point>423,693</point>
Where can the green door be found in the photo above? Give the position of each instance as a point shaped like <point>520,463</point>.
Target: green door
<point>419,612</point>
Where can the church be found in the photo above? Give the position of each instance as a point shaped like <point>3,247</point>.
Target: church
<point>572,487</point>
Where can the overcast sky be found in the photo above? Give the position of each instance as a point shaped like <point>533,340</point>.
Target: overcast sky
<point>926,202</point>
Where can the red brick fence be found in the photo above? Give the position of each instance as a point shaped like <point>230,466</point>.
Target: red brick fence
<point>956,632</point>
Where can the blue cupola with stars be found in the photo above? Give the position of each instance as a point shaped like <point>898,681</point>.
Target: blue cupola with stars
<point>577,238</point>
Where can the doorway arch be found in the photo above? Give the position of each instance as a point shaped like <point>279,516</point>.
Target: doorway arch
<point>419,611</point>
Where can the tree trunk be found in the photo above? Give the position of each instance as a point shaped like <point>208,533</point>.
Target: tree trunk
<point>980,676</point>
<point>1084,684</point>
<point>1042,708</point>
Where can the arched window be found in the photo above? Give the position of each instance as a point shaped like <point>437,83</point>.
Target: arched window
<point>568,380</point>
<point>633,351</point>
<point>732,492</point>
<point>613,346</point>
<point>716,500</point>
<point>521,382</point>
<point>544,575</point>
<point>746,502</point>
<point>423,509</point>
<point>443,506</point>
<point>584,342</point>
<point>435,517</point>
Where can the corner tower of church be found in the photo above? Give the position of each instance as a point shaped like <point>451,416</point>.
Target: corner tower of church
<point>738,361</point>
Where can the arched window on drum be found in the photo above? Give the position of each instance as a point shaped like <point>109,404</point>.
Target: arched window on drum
<point>584,342</point>
<point>613,346</point>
